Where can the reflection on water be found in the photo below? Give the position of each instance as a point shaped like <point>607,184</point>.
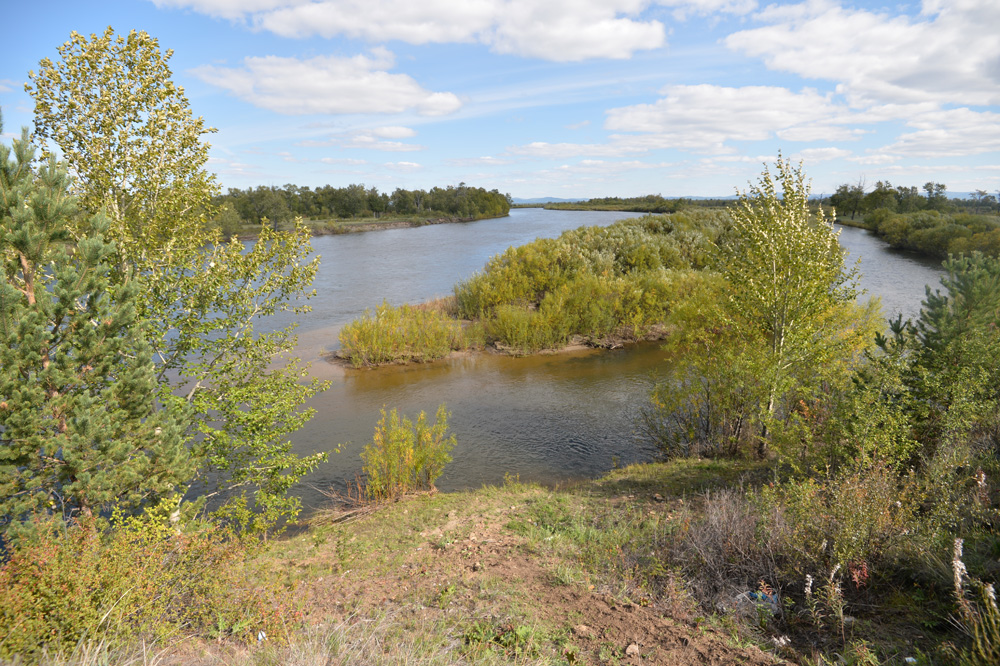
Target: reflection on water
<point>546,418</point>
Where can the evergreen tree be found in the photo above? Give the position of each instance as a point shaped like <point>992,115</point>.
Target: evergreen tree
<point>137,153</point>
<point>78,424</point>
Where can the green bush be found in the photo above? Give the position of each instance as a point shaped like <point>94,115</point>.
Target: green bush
<point>140,580</point>
<point>404,333</point>
<point>405,456</point>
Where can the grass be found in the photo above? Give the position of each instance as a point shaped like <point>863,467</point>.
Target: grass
<point>517,573</point>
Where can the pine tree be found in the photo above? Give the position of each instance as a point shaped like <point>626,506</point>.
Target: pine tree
<point>78,425</point>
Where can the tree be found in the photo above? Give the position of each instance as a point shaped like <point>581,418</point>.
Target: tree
<point>849,198</point>
<point>136,149</point>
<point>78,424</point>
<point>127,133</point>
<point>882,197</point>
<point>936,197</point>
<point>791,299</point>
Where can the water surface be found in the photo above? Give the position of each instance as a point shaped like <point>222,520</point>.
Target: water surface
<point>546,418</point>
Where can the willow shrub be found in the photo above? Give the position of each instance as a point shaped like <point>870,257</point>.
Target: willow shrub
<point>405,455</point>
<point>404,333</point>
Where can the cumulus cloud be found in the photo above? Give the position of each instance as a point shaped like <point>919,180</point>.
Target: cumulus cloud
<point>947,54</point>
<point>948,133</point>
<point>402,166</point>
<point>559,30</point>
<point>328,84</point>
<point>707,116</point>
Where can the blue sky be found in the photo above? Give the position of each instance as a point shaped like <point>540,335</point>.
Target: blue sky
<point>563,98</point>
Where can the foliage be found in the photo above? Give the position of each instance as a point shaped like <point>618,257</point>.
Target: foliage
<point>278,205</point>
<point>405,455</point>
<point>128,135</point>
<point>937,234</point>
<point>617,282</point>
<point>78,424</point>
<point>405,333</point>
<point>651,203</point>
<point>137,151</point>
<point>781,328</point>
<point>69,583</point>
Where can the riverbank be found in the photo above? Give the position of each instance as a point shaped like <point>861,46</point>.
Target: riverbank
<point>651,564</point>
<point>349,226</point>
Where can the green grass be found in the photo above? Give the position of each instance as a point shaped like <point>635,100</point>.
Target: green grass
<point>399,583</point>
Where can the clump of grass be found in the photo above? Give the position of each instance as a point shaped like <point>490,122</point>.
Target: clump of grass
<point>404,334</point>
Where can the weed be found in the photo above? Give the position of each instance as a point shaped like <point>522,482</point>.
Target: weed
<point>507,638</point>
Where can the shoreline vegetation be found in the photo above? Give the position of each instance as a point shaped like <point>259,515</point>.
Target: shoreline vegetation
<point>930,224</point>
<point>594,286</point>
<point>338,226</point>
<point>333,210</point>
<point>828,493</point>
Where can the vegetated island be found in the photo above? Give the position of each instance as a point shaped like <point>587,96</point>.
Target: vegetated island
<point>337,210</point>
<point>596,286</point>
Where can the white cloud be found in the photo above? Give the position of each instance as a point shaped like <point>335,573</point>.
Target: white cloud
<point>570,30</point>
<point>7,85</point>
<point>815,155</point>
<point>579,125</point>
<point>950,54</point>
<point>559,30</point>
<point>402,166</point>
<point>367,140</point>
<point>394,132</point>
<point>708,116</point>
<point>327,84</point>
<point>948,133</point>
<point>342,160</point>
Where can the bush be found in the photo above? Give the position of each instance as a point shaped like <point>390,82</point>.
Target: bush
<point>404,333</point>
<point>141,580</point>
<point>405,456</point>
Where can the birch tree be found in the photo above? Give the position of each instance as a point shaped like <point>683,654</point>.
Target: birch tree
<point>138,154</point>
<point>790,296</point>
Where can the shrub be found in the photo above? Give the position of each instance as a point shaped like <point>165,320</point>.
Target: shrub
<point>404,333</point>
<point>404,455</point>
<point>140,580</point>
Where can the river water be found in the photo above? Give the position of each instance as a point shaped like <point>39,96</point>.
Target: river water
<point>546,418</point>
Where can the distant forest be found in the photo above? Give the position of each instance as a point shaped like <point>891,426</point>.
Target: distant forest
<point>279,204</point>
<point>651,203</point>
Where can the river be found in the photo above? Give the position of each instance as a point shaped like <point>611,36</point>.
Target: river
<point>546,418</point>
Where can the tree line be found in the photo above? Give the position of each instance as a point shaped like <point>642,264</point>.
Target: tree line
<point>928,223</point>
<point>280,204</point>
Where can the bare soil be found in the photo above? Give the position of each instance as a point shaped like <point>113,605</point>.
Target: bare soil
<point>466,565</point>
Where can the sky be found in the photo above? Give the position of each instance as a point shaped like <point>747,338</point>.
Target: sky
<point>562,98</point>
